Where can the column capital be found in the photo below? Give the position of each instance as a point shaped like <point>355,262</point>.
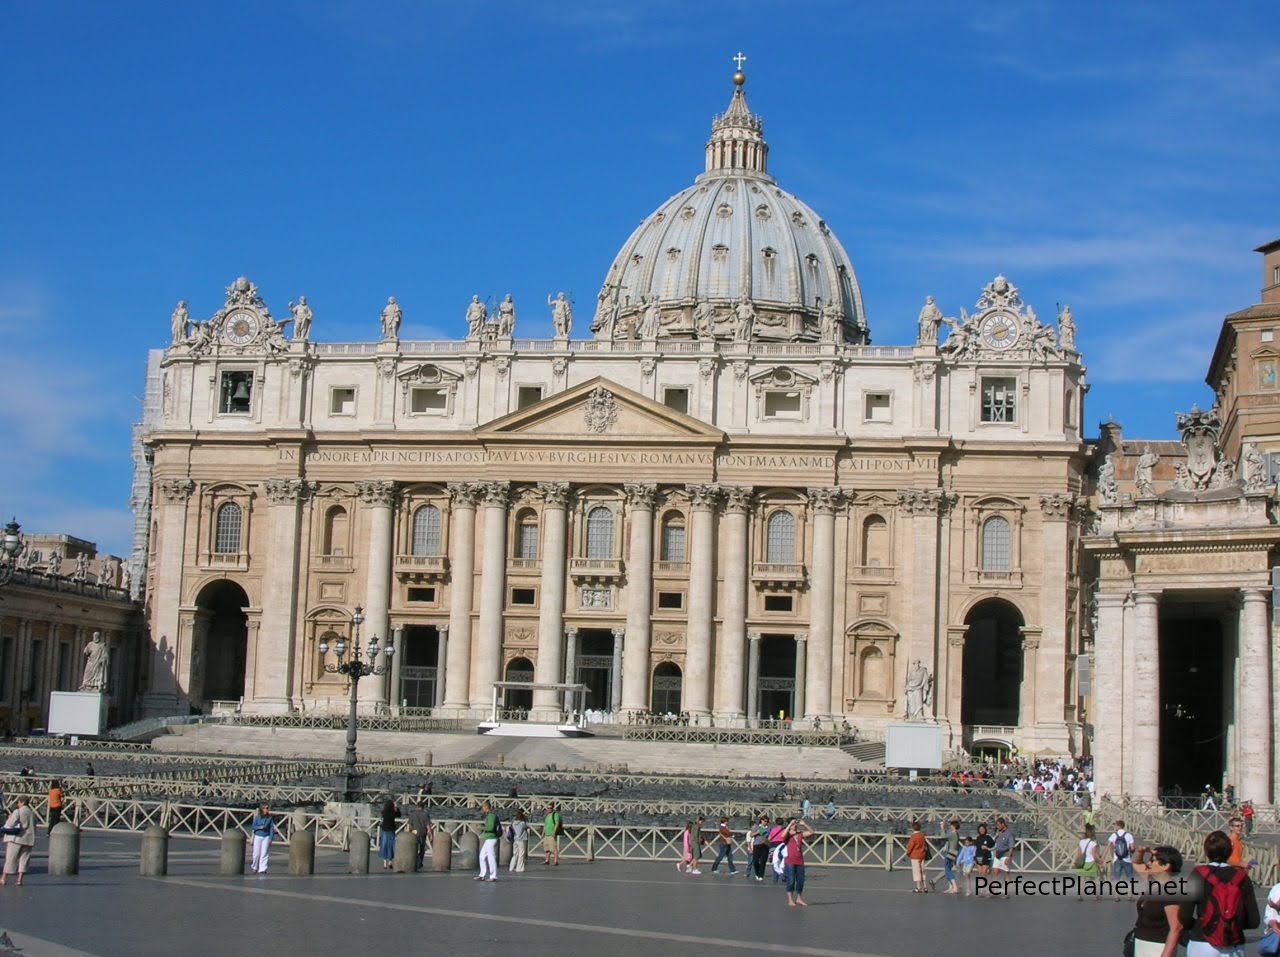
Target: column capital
<point>825,500</point>
<point>1056,506</point>
<point>496,494</point>
<point>924,501</point>
<point>176,491</point>
<point>618,633</point>
<point>754,636</point>
<point>288,491</point>
<point>442,630</point>
<point>801,636</point>
<point>1255,594</point>
<point>738,498</point>
<point>571,632</point>
<point>380,494</point>
<point>554,494</point>
<point>640,496</point>
<point>1111,599</point>
<point>705,498</point>
<point>1146,597</point>
<point>465,494</point>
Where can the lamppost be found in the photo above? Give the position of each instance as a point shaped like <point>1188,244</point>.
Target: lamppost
<point>355,669</point>
<point>10,546</point>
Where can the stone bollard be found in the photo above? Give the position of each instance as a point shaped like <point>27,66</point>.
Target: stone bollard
<point>468,850</point>
<point>231,858</point>
<point>406,853</point>
<point>155,852</point>
<point>504,851</point>
<point>427,759</point>
<point>302,853</point>
<point>357,851</point>
<point>442,850</point>
<point>64,850</point>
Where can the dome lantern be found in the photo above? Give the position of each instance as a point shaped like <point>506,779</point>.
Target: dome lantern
<point>737,135</point>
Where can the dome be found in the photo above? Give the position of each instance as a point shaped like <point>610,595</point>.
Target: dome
<point>733,256</point>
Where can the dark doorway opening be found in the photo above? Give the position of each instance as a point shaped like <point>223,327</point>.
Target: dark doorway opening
<point>518,699</point>
<point>1192,704</point>
<point>419,673</point>
<point>777,677</point>
<point>667,684</point>
<point>595,667</point>
<point>221,645</point>
<point>991,689</point>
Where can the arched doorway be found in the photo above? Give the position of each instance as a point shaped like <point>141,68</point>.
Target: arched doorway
<point>518,699</point>
<point>220,644</point>
<point>991,688</point>
<point>667,683</point>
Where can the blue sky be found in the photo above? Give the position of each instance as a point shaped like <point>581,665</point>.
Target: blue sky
<point>1119,157</point>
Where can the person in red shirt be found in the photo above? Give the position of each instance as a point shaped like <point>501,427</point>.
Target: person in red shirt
<point>793,844</point>
<point>55,804</point>
<point>1246,812</point>
<point>917,851</point>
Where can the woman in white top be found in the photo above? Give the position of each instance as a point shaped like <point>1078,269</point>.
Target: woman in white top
<point>19,839</point>
<point>1089,858</point>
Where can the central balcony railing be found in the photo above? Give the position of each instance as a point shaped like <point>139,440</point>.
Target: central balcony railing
<point>595,569</point>
<point>778,573</point>
<point>423,567</point>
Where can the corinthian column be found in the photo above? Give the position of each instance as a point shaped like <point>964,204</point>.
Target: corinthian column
<point>493,571</point>
<point>635,658</point>
<point>823,502</point>
<point>550,666</point>
<point>733,630</point>
<point>379,499</point>
<point>1146,704</point>
<point>462,578</point>
<point>1254,703</point>
<point>168,686</point>
<point>702,593</point>
<point>272,666</point>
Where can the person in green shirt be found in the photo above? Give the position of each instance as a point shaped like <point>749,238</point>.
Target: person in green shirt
<point>552,825</point>
<point>490,828</point>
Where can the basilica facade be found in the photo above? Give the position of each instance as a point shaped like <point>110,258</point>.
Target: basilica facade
<point>722,500</point>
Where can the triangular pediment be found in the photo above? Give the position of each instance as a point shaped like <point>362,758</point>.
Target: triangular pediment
<point>599,410</point>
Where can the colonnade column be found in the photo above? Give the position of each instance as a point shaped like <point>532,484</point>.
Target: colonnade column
<point>753,676</point>
<point>169,682</point>
<point>635,657</point>
<point>493,583</point>
<point>272,688</point>
<point>1253,706</point>
<point>549,668</point>
<point>570,666</point>
<point>1146,703</point>
<point>823,502</point>
<point>802,667</point>
<point>379,500</point>
<point>702,587</point>
<point>462,570</point>
<point>442,660</point>
<point>733,631</point>
<point>615,672</point>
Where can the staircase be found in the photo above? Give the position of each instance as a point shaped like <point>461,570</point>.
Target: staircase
<point>868,752</point>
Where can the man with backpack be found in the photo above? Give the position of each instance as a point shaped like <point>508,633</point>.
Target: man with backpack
<point>1226,903</point>
<point>552,827</point>
<point>1122,845</point>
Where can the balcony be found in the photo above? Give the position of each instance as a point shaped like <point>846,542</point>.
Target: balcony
<point>875,572</point>
<point>1005,579</point>
<point>332,563</point>
<point>780,575</point>
<point>989,734</point>
<point>421,568</point>
<point>523,566</point>
<point>595,569</point>
<point>225,561</point>
<point>671,569</point>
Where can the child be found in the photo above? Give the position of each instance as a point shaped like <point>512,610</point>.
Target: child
<point>965,860</point>
<point>687,858</point>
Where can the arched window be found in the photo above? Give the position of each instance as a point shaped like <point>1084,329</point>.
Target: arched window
<point>426,530</point>
<point>673,549</point>
<point>871,677</point>
<point>875,542</point>
<point>600,532</point>
<point>995,544</point>
<point>335,531</point>
<point>780,538</point>
<point>527,534</point>
<point>226,536</point>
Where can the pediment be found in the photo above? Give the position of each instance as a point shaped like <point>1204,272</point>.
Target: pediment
<point>428,373</point>
<point>782,377</point>
<point>599,410</point>
<point>1264,352</point>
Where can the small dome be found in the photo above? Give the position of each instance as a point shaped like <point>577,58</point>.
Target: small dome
<point>733,236</point>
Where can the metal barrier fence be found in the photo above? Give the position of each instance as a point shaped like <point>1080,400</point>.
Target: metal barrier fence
<point>755,736</point>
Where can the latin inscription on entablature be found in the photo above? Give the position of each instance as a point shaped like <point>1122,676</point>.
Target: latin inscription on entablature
<point>861,465</point>
<point>598,457</point>
<point>1207,562</point>
<point>387,456</point>
<point>752,460</point>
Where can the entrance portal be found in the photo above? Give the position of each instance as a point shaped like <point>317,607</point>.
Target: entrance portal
<point>518,699</point>
<point>777,677</point>
<point>667,682</point>
<point>220,644</point>
<point>1192,718</point>
<point>595,667</point>
<point>419,677</point>
<point>991,688</point>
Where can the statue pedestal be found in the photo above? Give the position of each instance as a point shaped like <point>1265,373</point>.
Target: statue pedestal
<point>916,744</point>
<point>77,712</point>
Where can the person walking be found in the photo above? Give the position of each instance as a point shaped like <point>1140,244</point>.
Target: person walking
<point>19,839</point>
<point>983,843</point>
<point>1121,844</point>
<point>1158,929</point>
<point>1002,851</point>
<point>1235,828</point>
<point>760,847</point>
<point>421,829</point>
<point>1088,859</point>
<point>687,857</point>
<point>777,838</point>
<point>387,833</point>
<point>54,803</point>
<point>917,851</point>
<point>1246,812</point>
<point>263,827</point>
<point>1227,905</point>
<point>490,829</point>
<point>519,842</point>
<point>793,843</point>
<point>724,849</point>
<point>552,825</point>
<point>951,854</point>
<point>965,863</point>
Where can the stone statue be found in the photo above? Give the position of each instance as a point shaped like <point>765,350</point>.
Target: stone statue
<point>1108,490</point>
<point>831,322</point>
<point>126,579</point>
<point>1224,474</point>
<point>477,315</point>
<point>744,316</point>
<point>53,567</point>
<point>1254,469</point>
<point>301,318</point>
<point>179,321</point>
<point>391,316</point>
<point>652,320</point>
<point>96,654</point>
<point>961,341</point>
<point>201,337</point>
<point>1142,475</point>
<point>30,557</point>
<point>81,573</point>
<point>506,316</point>
<point>919,691</point>
<point>1066,330</point>
<point>107,570</point>
<point>927,324</point>
<point>704,321</point>
<point>561,315</point>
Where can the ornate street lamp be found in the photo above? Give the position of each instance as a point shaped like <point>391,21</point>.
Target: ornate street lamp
<point>355,669</point>
<point>10,547</point>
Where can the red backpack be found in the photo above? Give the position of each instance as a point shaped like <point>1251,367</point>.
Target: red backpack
<point>1221,907</point>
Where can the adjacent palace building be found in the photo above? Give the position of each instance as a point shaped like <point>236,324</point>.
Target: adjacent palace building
<point>722,501</point>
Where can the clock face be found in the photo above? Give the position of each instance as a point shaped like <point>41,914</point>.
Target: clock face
<point>240,328</point>
<point>999,331</point>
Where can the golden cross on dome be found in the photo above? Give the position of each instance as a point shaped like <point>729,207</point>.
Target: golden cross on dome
<point>739,60</point>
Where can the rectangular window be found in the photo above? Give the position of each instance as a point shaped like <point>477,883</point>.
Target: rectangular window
<point>1268,335</point>
<point>1275,275</point>
<point>673,542</point>
<point>342,401</point>
<point>528,395</point>
<point>522,596</point>
<point>1069,410</point>
<point>777,603</point>
<point>236,393</point>
<point>782,405</point>
<point>422,594</point>
<point>428,401</point>
<point>676,398</point>
<point>999,400</point>
<point>877,407</point>
<point>671,599</point>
